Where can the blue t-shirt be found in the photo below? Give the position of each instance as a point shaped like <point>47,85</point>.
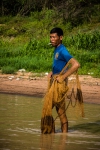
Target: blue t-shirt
<point>61,57</point>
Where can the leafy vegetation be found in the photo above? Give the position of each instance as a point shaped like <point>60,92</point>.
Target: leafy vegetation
<point>24,39</point>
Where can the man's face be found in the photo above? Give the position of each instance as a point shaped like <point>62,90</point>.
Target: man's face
<point>55,40</point>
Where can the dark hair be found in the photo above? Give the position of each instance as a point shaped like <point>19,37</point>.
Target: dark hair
<point>59,31</point>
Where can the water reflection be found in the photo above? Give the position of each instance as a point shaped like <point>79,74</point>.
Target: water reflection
<point>49,142</point>
<point>20,126</point>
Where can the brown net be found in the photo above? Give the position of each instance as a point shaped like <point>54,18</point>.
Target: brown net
<point>74,99</point>
<point>58,93</point>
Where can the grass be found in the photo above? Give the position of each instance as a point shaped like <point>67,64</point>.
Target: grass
<point>24,44</point>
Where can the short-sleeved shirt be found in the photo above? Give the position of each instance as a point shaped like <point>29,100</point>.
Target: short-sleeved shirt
<point>61,58</point>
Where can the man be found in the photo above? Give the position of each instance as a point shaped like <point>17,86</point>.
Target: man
<point>61,58</point>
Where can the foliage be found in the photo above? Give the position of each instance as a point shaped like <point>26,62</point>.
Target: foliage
<point>24,42</point>
<point>36,55</point>
<point>8,70</point>
<point>89,40</point>
<point>75,12</point>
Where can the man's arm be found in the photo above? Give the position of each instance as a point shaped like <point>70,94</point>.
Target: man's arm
<point>74,66</point>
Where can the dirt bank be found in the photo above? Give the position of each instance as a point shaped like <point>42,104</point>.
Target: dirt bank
<point>36,86</point>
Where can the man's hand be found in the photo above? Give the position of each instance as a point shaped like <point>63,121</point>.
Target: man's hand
<point>49,75</point>
<point>60,78</point>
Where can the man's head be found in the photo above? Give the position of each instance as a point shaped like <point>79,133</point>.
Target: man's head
<point>56,36</point>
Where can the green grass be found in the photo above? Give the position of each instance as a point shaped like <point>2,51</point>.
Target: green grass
<point>8,70</point>
<point>24,44</point>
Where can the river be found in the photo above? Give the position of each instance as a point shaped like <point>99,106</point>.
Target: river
<point>20,119</point>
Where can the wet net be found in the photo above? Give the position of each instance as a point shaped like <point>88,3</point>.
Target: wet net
<point>58,93</point>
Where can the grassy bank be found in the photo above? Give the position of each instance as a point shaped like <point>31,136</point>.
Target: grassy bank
<point>24,44</point>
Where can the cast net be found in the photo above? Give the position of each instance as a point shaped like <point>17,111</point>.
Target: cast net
<point>58,93</point>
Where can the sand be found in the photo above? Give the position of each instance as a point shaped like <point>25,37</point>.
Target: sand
<point>29,84</point>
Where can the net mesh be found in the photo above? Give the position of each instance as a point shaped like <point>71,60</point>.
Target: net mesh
<point>58,93</point>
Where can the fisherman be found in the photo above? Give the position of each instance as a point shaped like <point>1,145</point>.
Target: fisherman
<point>61,58</point>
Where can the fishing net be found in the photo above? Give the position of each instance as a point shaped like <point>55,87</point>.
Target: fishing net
<point>74,98</point>
<point>69,91</point>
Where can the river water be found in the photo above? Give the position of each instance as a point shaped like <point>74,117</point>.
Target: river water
<point>20,118</point>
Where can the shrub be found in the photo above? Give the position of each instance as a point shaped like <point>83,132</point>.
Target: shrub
<point>8,70</point>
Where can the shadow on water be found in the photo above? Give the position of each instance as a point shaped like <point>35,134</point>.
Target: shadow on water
<point>93,127</point>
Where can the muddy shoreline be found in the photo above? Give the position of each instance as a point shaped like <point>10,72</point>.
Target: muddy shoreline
<point>36,86</point>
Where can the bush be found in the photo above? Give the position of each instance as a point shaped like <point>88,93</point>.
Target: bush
<point>24,43</point>
<point>8,70</point>
<point>87,41</point>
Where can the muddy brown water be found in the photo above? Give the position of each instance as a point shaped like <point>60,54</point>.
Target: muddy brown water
<point>20,118</point>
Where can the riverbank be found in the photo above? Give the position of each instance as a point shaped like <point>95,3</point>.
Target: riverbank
<point>25,84</point>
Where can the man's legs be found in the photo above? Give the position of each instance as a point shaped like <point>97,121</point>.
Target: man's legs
<point>63,118</point>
